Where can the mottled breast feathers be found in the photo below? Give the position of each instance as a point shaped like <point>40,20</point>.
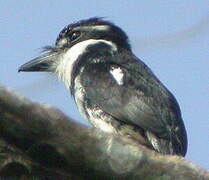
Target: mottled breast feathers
<point>127,92</point>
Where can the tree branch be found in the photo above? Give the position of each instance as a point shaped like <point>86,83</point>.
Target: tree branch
<point>49,144</point>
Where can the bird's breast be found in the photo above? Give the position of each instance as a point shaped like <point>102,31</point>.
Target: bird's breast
<point>90,111</point>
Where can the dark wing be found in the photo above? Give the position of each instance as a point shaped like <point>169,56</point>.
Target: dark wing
<point>131,93</point>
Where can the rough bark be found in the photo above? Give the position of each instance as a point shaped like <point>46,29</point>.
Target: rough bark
<point>40,142</point>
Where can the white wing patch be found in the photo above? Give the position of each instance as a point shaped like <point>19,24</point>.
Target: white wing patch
<point>118,74</point>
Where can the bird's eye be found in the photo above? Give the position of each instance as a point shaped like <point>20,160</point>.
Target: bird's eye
<point>75,35</point>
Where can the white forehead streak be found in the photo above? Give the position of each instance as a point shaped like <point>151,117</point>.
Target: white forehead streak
<point>67,61</point>
<point>93,27</point>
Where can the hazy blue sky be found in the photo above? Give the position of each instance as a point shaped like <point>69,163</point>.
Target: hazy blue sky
<point>172,37</point>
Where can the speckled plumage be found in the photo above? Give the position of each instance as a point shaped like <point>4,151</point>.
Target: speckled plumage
<point>113,89</point>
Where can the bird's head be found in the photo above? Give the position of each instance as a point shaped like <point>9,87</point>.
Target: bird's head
<point>74,41</point>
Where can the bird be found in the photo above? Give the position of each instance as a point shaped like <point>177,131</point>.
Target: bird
<point>113,89</point>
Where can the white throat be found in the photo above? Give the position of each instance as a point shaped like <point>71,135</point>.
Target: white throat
<point>67,61</point>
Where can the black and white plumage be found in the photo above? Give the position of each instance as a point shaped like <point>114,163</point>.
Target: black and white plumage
<point>113,89</point>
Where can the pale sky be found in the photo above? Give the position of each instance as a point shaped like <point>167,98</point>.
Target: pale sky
<point>171,37</point>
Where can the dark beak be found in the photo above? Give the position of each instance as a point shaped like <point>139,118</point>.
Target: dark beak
<point>43,63</point>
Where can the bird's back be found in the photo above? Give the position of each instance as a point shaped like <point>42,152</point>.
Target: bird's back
<point>128,96</point>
